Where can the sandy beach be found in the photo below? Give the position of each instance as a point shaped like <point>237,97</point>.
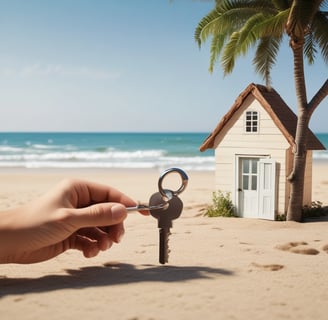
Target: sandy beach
<point>219,268</point>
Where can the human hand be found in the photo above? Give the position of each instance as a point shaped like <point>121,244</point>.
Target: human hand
<point>73,215</point>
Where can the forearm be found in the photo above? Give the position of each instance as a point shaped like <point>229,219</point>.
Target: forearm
<point>11,232</point>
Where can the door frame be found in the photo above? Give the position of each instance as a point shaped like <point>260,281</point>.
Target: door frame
<point>237,195</point>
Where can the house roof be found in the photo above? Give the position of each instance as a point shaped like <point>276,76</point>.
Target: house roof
<point>284,118</point>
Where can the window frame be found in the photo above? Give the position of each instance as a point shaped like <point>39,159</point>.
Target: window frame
<point>254,123</point>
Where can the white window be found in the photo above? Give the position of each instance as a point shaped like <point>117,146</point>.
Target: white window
<point>251,121</point>
<point>249,173</point>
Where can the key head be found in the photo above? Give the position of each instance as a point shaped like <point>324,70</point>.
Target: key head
<point>165,216</point>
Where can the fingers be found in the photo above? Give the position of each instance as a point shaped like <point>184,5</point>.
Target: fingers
<point>93,240</point>
<point>83,193</point>
<point>96,211</point>
<point>75,193</point>
<point>89,247</point>
<point>97,215</point>
<point>97,236</point>
<point>115,232</point>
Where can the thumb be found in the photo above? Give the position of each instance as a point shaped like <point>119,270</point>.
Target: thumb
<point>97,215</point>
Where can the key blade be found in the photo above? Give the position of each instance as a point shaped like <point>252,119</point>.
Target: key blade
<point>144,207</point>
<point>139,207</point>
<point>164,245</point>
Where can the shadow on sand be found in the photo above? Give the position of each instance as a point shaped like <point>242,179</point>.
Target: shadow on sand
<point>108,275</point>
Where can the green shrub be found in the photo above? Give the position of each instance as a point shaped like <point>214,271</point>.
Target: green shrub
<point>281,217</point>
<point>222,206</point>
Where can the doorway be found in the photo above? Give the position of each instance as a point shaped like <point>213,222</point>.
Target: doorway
<point>256,187</point>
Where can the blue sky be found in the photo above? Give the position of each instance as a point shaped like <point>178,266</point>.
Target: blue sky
<point>122,65</point>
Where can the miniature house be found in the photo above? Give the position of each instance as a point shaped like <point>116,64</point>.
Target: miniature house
<point>253,146</point>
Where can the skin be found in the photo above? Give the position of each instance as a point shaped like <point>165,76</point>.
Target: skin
<point>75,214</point>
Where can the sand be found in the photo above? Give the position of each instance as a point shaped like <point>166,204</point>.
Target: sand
<point>219,268</point>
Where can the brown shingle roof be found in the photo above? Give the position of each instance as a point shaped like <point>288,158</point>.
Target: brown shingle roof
<point>284,118</point>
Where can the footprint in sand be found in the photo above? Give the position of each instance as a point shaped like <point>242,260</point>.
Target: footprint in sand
<point>325,248</point>
<point>300,247</point>
<point>268,267</point>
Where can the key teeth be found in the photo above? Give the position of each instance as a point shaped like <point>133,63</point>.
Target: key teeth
<point>167,248</point>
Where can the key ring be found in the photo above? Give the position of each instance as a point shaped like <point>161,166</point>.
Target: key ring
<point>166,194</point>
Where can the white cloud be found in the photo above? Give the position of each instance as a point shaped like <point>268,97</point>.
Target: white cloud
<point>37,70</point>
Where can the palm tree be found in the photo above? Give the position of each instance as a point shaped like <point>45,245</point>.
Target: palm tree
<point>238,25</point>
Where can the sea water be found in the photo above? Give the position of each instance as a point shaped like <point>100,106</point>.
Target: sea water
<point>104,150</point>
<point>111,150</point>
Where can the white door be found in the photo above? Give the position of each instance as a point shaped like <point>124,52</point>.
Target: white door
<point>267,189</point>
<point>256,188</point>
<point>247,187</point>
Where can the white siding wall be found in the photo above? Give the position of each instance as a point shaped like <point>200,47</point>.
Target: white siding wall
<point>233,141</point>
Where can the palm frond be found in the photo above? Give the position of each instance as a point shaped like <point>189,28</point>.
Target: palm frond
<point>272,25</point>
<point>319,29</point>
<point>229,53</point>
<point>207,26</point>
<point>258,5</point>
<point>246,35</point>
<point>324,5</point>
<point>301,16</point>
<point>266,55</point>
<point>239,11</point>
<point>217,44</point>
<point>310,50</point>
<point>237,25</point>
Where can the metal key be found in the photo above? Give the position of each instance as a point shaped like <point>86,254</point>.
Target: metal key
<point>165,206</point>
<point>164,217</point>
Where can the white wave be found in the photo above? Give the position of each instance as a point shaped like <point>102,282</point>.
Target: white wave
<point>160,163</point>
<point>116,165</point>
<point>46,156</point>
<point>44,146</point>
<point>84,155</point>
<point>4,148</point>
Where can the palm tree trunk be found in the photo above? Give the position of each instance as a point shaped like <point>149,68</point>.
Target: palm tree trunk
<point>296,178</point>
<point>318,97</point>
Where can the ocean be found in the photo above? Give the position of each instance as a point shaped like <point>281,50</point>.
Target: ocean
<point>104,150</point>
<point>111,150</point>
